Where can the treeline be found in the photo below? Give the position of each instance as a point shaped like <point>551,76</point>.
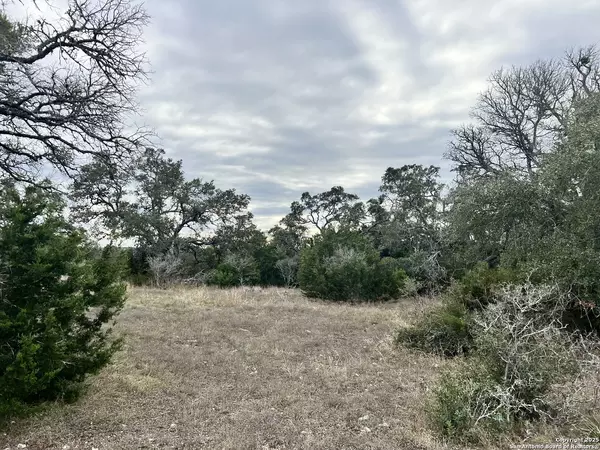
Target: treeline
<point>191,231</point>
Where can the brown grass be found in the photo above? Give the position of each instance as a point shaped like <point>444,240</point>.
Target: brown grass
<point>248,369</point>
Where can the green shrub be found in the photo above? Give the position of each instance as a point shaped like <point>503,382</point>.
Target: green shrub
<point>344,265</point>
<point>266,257</point>
<point>411,287</point>
<point>444,331</point>
<point>452,408</point>
<point>447,330</point>
<point>479,285</point>
<point>521,351</point>
<point>234,271</point>
<point>57,293</point>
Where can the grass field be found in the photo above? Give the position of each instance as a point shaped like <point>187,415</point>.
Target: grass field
<point>241,369</point>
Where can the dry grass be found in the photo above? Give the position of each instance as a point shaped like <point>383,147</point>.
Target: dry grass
<point>237,369</point>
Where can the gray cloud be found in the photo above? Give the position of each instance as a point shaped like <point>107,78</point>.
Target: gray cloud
<point>275,97</point>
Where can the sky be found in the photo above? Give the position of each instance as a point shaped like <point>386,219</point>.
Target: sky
<point>278,97</point>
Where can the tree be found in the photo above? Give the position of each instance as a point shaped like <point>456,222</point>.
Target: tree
<point>289,236</point>
<point>523,114</point>
<point>412,195</point>
<point>288,267</point>
<point>165,211</point>
<point>569,250</point>
<point>99,198</point>
<point>240,236</point>
<point>489,216</point>
<point>546,227</point>
<point>334,208</point>
<point>57,296</point>
<point>67,89</point>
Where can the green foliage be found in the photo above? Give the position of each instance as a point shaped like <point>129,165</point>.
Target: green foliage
<point>266,258</point>
<point>166,206</point>
<point>344,265</point>
<point>444,331</point>
<point>479,285</point>
<point>407,217</point>
<point>456,402</point>
<point>333,209</point>
<point>521,351</point>
<point>57,293</point>
<point>447,329</point>
<point>235,270</point>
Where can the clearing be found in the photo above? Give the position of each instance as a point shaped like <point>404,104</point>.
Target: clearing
<point>243,368</point>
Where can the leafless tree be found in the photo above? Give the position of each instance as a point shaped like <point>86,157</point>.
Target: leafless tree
<point>166,269</point>
<point>473,152</point>
<point>288,268</point>
<point>67,89</point>
<point>584,66</point>
<point>523,113</point>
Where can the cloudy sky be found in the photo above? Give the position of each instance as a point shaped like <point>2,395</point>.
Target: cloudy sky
<point>278,97</point>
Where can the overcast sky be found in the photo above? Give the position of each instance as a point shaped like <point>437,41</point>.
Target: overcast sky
<point>277,97</point>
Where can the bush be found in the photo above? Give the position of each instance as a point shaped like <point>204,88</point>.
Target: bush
<point>452,409</point>
<point>344,265</point>
<point>480,285</point>
<point>165,269</point>
<point>410,288</point>
<point>424,268</point>
<point>235,270</point>
<point>444,331</point>
<point>55,299</point>
<point>521,351</point>
<point>447,329</point>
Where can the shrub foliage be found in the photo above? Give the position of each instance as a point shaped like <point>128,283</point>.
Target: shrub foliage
<point>56,296</point>
<point>343,265</point>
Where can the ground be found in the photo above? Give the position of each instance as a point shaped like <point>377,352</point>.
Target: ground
<point>248,369</point>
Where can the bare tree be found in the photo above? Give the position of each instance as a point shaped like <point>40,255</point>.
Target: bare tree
<point>523,113</point>
<point>584,76</point>
<point>522,109</point>
<point>166,269</point>
<point>288,268</point>
<point>473,152</point>
<point>67,88</point>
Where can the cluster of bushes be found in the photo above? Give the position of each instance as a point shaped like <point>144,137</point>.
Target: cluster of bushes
<point>266,266</point>
<point>520,350</point>
<point>447,330</point>
<point>343,265</point>
<point>516,344</point>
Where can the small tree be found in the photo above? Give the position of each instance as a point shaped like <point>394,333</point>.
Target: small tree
<point>288,267</point>
<point>165,269</point>
<point>56,297</point>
